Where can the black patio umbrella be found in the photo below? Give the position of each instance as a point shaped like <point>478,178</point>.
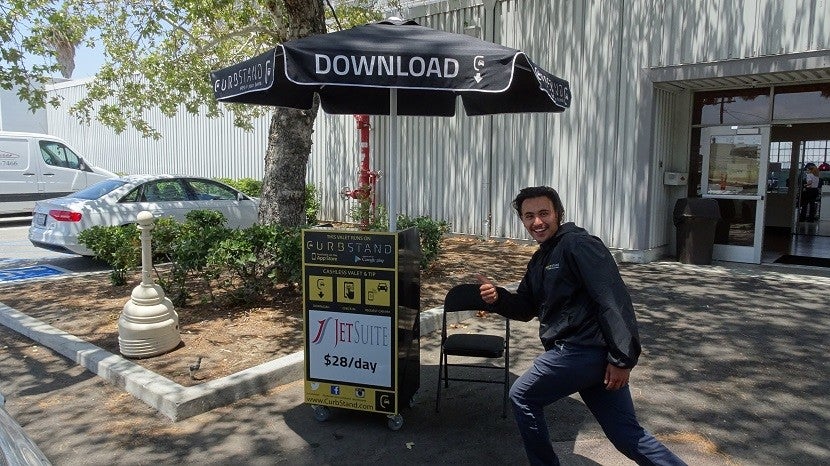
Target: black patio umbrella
<point>394,67</point>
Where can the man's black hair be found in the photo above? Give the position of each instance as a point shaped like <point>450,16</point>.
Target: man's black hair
<point>540,191</point>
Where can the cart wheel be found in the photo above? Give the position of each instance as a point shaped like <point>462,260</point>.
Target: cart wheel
<point>394,421</point>
<point>321,413</point>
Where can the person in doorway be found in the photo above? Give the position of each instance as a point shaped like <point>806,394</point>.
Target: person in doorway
<point>810,194</point>
<point>587,327</point>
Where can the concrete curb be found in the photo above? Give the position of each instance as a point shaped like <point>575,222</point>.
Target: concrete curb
<point>169,398</point>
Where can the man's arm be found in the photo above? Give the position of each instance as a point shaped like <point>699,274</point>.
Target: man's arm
<point>518,306</point>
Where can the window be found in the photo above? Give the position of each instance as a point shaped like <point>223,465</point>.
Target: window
<point>132,196</point>
<point>781,152</point>
<point>780,160</point>
<point>210,190</point>
<point>743,106</point>
<point>802,102</point>
<point>165,191</point>
<point>99,189</point>
<point>815,151</point>
<point>58,155</point>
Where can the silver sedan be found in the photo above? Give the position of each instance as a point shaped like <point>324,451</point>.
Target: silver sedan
<point>57,222</point>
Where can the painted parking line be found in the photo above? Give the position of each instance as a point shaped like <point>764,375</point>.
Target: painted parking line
<point>27,273</point>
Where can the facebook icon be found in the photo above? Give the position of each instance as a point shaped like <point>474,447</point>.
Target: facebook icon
<point>335,389</point>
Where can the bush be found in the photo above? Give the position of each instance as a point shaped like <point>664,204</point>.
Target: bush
<point>119,247</point>
<point>187,248</point>
<point>313,201</point>
<point>245,262</point>
<point>430,233</point>
<point>254,259</point>
<point>377,222</point>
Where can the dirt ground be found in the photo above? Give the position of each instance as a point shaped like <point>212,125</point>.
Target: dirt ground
<point>226,336</point>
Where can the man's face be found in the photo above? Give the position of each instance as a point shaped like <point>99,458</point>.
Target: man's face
<point>539,217</point>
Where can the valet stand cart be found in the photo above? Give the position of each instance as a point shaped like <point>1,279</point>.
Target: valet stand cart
<point>361,322</point>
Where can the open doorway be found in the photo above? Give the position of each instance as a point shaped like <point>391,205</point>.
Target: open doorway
<point>797,222</point>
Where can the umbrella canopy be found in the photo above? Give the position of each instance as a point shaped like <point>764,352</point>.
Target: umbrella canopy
<point>354,70</point>
<point>394,67</point>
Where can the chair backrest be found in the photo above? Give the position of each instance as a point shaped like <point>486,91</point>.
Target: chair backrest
<point>465,297</point>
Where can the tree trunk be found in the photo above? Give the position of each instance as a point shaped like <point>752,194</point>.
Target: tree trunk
<point>289,137</point>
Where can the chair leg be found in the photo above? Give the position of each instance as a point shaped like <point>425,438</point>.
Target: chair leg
<point>446,373</point>
<point>504,398</point>
<point>506,382</point>
<point>440,373</point>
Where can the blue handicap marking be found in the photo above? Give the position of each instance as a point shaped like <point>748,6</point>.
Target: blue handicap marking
<point>25,273</point>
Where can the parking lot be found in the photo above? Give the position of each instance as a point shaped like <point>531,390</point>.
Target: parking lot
<point>16,253</point>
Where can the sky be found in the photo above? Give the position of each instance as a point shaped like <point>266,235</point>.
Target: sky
<point>87,62</point>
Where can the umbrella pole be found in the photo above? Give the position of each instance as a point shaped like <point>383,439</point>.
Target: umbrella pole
<point>394,172</point>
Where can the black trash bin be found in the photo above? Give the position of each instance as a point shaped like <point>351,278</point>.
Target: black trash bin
<point>696,219</point>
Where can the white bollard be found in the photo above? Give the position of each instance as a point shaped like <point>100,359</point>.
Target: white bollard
<point>148,325</point>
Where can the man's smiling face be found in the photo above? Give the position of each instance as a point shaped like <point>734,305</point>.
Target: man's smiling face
<point>539,217</point>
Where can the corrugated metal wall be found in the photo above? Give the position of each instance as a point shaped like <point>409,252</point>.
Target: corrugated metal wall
<point>603,154</point>
<point>193,145</point>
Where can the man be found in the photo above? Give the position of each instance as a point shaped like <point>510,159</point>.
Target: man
<point>587,327</point>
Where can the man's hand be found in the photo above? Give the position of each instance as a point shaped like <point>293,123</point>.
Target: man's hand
<point>616,377</point>
<point>489,294</point>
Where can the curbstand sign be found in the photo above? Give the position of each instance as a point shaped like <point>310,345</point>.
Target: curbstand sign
<point>361,294</point>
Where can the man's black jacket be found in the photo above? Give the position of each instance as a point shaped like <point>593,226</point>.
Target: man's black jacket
<point>573,286</point>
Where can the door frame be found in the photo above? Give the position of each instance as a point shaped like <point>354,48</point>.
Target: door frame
<point>735,253</point>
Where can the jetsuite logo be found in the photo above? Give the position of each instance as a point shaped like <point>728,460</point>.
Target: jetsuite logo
<point>350,332</point>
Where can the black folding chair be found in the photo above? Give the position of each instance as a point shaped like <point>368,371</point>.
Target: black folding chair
<point>479,345</point>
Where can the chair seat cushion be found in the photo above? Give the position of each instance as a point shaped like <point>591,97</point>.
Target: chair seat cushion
<point>483,346</point>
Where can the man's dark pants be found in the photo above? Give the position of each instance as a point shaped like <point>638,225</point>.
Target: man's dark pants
<point>568,369</point>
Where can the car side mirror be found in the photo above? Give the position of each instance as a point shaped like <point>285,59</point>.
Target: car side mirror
<point>240,196</point>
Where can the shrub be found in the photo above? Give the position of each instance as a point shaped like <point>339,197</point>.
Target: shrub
<point>118,246</point>
<point>254,259</point>
<point>379,221</point>
<point>313,201</point>
<point>430,233</point>
<point>187,247</point>
<point>246,262</point>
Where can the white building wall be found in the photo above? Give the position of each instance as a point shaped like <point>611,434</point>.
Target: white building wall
<point>16,116</point>
<point>604,154</point>
<point>192,145</point>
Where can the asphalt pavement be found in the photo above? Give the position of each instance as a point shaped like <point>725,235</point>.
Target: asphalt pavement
<point>17,252</point>
<point>733,372</point>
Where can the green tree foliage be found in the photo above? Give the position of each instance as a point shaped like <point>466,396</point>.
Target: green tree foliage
<point>40,29</point>
<point>159,54</point>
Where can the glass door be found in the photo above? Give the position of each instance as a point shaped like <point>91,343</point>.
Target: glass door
<point>735,174</point>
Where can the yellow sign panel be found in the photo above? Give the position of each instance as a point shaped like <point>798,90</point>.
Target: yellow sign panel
<point>377,293</point>
<point>320,288</point>
<point>348,396</point>
<point>348,290</point>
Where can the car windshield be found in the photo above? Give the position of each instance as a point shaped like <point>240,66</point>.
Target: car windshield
<point>98,189</point>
